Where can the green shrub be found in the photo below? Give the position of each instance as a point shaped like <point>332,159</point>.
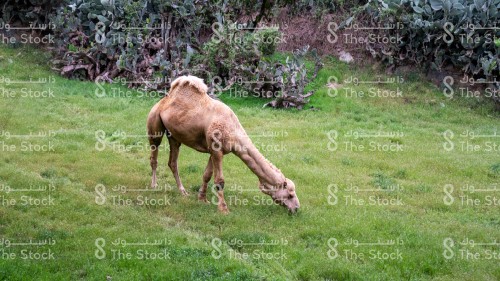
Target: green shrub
<point>35,12</point>
<point>268,39</point>
<point>436,33</point>
<point>132,39</point>
<point>151,42</point>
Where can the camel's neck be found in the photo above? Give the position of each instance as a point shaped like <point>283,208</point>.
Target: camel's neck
<point>258,164</point>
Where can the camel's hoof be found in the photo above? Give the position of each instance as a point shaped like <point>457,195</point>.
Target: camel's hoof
<point>184,192</point>
<point>203,199</point>
<point>223,210</point>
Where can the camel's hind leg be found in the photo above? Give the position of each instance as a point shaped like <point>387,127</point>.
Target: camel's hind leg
<point>172,163</point>
<point>155,135</point>
<point>216,157</point>
<point>207,175</point>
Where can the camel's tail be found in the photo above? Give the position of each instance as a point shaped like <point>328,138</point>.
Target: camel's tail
<point>189,80</point>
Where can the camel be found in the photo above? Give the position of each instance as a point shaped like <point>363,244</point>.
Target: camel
<point>189,116</point>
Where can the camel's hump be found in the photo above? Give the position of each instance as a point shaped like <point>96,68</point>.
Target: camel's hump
<point>193,81</point>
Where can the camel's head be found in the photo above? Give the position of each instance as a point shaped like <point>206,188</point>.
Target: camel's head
<point>284,195</point>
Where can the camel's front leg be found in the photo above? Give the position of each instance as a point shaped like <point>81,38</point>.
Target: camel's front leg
<point>172,163</point>
<point>207,175</point>
<point>219,180</point>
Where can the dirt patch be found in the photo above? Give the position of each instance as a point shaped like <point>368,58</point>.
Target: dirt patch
<point>321,34</point>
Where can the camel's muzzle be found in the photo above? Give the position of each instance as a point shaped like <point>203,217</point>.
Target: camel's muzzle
<point>293,210</point>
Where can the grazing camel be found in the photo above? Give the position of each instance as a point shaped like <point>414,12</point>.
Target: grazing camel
<point>187,115</point>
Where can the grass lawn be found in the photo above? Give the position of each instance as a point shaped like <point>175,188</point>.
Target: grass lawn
<point>391,188</point>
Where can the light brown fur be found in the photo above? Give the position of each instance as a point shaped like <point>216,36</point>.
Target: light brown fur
<point>189,116</point>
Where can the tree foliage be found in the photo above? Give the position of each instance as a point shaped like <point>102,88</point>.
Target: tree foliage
<point>151,42</point>
<point>436,33</point>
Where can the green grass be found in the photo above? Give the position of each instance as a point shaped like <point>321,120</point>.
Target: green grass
<point>308,146</point>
